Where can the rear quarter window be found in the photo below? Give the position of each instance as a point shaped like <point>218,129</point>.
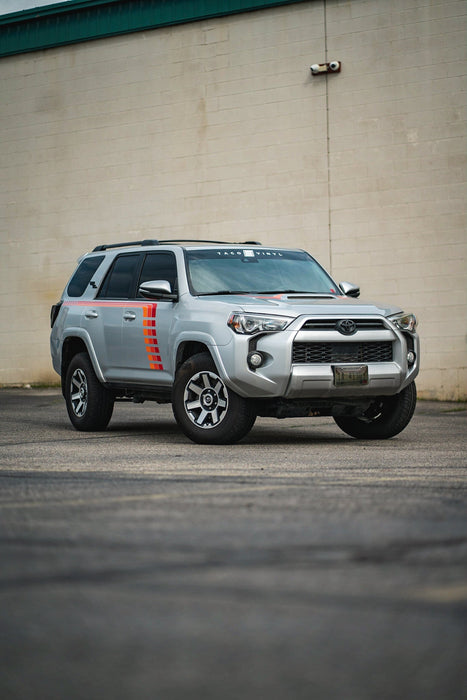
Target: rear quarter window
<point>83,275</point>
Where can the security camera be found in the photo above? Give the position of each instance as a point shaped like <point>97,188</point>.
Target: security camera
<point>323,68</point>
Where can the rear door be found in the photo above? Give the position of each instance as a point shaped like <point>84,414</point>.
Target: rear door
<point>104,316</point>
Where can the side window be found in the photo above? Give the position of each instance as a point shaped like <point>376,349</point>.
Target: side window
<point>119,283</point>
<point>83,275</point>
<point>159,266</point>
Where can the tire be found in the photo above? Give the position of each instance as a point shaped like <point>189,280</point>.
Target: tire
<point>205,408</point>
<point>384,419</point>
<point>88,403</point>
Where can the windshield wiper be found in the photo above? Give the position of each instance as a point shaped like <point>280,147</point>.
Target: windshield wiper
<point>285,291</point>
<point>254,293</point>
<point>221,292</point>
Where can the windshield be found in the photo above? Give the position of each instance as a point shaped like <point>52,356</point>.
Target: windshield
<point>255,271</point>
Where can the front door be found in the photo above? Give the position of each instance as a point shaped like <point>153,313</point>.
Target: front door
<point>146,329</point>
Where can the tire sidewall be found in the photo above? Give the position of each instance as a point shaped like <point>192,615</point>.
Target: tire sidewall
<point>100,402</point>
<point>239,415</point>
<point>396,414</point>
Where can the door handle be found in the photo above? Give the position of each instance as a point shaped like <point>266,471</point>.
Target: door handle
<point>129,316</point>
<point>91,314</point>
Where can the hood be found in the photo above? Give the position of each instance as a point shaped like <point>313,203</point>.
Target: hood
<point>303,304</point>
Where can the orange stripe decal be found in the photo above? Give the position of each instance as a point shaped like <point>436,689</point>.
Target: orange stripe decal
<point>150,336</point>
<point>149,325</point>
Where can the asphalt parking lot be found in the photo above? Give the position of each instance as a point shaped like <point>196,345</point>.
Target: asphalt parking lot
<point>297,564</point>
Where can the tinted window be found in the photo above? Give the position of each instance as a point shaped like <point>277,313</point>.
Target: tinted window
<point>159,266</point>
<point>256,271</point>
<point>119,283</point>
<point>83,276</point>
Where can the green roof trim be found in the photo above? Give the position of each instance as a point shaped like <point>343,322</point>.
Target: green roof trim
<point>83,20</point>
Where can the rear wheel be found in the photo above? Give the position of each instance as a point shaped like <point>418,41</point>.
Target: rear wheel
<point>385,418</point>
<point>205,408</point>
<point>89,404</point>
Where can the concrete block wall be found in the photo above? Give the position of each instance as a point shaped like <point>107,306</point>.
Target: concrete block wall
<point>218,130</point>
<point>398,169</point>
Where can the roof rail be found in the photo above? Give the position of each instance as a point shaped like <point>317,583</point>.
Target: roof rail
<point>201,240</point>
<point>125,245</point>
<point>154,241</point>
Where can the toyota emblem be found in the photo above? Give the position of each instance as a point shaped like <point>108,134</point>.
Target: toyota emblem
<point>346,326</point>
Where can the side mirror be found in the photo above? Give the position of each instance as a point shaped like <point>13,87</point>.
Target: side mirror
<point>349,289</point>
<point>157,289</point>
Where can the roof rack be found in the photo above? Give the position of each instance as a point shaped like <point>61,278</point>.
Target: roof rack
<point>125,245</point>
<point>201,240</point>
<point>153,241</point>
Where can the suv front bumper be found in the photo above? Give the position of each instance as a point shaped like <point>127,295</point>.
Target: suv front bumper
<point>280,377</point>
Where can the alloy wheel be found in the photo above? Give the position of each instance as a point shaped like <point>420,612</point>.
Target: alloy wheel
<point>79,392</point>
<point>206,399</point>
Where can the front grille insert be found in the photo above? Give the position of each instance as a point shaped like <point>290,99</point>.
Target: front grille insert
<point>330,324</point>
<point>326,353</point>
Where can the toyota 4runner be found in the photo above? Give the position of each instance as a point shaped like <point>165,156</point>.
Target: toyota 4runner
<point>226,333</point>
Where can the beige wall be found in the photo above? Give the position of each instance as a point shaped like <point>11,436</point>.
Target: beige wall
<point>217,129</point>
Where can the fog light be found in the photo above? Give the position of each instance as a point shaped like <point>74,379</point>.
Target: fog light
<point>255,359</point>
<point>410,357</point>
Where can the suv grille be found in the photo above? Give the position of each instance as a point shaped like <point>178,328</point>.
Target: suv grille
<point>324,353</point>
<point>329,324</point>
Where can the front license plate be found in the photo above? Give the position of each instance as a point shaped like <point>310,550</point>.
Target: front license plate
<point>350,376</point>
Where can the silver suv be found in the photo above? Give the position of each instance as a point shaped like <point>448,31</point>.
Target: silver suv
<point>227,332</point>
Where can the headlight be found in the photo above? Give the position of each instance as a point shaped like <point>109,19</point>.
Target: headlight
<point>249,324</point>
<point>405,322</point>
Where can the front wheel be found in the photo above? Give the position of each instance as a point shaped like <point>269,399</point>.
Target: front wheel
<point>205,408</point>
<point>89,404</point>
<point>384,419</point>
